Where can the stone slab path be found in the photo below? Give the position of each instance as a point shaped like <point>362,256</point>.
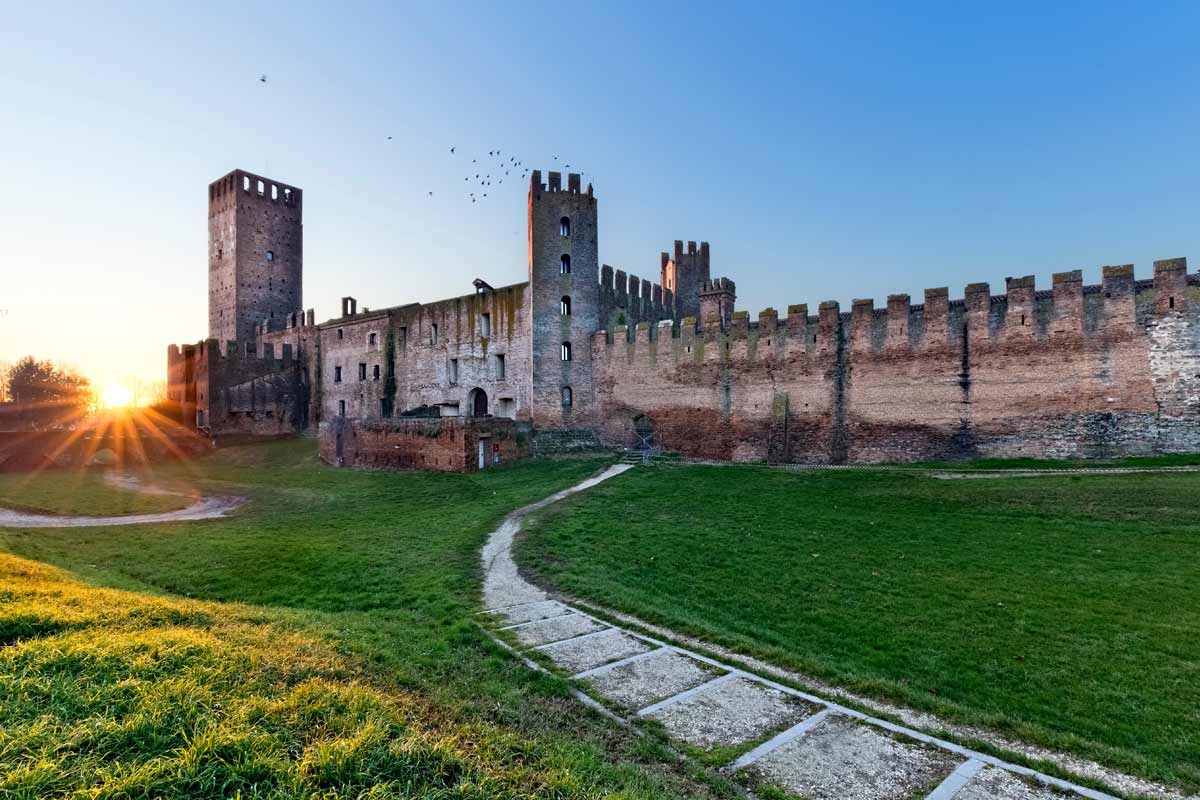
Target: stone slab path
<point>772,734</point>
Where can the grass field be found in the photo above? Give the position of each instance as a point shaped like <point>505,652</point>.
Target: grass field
<point>1061,610</point>
<point>318,642</point>
<point>79,492</point>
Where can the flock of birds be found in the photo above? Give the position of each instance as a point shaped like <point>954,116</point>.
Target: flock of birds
<point>492,171</point>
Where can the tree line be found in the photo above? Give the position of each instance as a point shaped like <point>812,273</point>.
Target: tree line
<point>41,395</point>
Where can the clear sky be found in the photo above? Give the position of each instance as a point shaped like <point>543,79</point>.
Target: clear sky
<point>827,151</point>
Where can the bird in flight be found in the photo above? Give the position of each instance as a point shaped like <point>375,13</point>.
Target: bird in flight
<point>451,151</point>
<point>262,78</point>
<point>389,138</point>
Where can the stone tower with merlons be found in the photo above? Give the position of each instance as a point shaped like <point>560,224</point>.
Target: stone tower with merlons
<point>564,288</point>
<point>255,255</point>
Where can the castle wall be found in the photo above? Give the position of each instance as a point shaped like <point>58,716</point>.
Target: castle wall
<point>1073,372</point>
<point>474,333</point>
<point>446,444</point>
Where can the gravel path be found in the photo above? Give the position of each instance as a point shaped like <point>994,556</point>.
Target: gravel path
<point>778,735</point>
<point>201,508</point>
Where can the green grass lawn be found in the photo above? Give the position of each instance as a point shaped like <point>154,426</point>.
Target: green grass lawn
<point>1060,610</point>
<point>75,492</point>
<point>319,640</point>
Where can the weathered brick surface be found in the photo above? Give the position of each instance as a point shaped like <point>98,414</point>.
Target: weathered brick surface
<point>1075,372</point>
<point>255,254</point>
<point>448,444</point>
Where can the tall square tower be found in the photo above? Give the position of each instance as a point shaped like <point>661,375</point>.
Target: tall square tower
<point>255,254</point>
<point>564,283</point>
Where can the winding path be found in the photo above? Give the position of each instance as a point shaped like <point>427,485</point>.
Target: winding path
<point>201,508</point>
<point>779,735</point>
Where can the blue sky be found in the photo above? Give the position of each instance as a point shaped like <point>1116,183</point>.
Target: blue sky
<point>825,152</point>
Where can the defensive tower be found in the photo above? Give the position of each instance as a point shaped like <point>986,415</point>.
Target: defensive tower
<point>685,274</point>
<point>564,285</point>
<point>255,255</point>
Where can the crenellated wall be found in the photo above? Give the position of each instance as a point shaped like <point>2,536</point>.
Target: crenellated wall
<point>239,390</point>
<point>1075,370</point>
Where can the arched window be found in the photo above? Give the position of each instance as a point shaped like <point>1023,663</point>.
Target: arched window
<point>564,306</point>
<point>564,226</point>
<point>270,256</point>
<point>564,264</point>
<point>567,397</point>
<point>566,351</point>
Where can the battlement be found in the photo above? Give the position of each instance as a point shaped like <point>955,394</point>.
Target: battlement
<point>554,184</point>
<point>240,186</point>
<point>1119,304</point>
<point>717,286</point>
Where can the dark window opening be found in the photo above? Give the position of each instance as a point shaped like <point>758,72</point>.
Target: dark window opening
<point>453,371</point>
<point>1170,302</point>
<point>362,372</point>
<point>341,408</point>
<point>566,351</point>
<point>375,372</point>
<point>568,397</point>
<point>337,374</point>
<point>564,306</point>
<point>499,366</point>
<point>564,226</point>
<point>564,265</point>
<point>270,256</point>
<point>341,334</point>
<point>485,325</point>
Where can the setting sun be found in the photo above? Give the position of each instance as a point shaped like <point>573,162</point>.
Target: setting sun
<point>116,395</point>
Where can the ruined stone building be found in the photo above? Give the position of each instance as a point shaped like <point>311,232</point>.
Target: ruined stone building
<point>580,353</point>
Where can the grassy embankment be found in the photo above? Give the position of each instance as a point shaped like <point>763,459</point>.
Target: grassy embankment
<point>1059,610</point>
<point>327,648</point>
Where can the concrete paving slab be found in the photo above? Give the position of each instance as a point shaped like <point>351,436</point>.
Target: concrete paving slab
<point>998,784</point>
<point>841,758</point>
<point>651,679</point>
<point>732,713</point>
<point>529,612</point>
<point>576,655</point>
<point>555,629</point>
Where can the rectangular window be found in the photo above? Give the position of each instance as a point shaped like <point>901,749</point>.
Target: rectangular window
<point>362,372</point>
<point>341,408</point>
<point>485,325</point>
<point>433,334</point>
<point>337,374</point>
<point>375,372</point>
<point>371,341</point>
<point>453,371</point>
<point>403,338</point>
<point>341,334</point>
<point>499,366</point>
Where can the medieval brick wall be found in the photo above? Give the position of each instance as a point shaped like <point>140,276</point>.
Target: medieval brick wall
<point>440,356</point>
<point>241,390</point>
<point>1077,371</point>
<point>461,444</point>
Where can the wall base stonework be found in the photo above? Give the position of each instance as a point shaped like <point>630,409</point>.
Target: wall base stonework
<point>448,444</point>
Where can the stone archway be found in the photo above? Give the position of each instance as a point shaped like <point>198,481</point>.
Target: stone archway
<point>478,400</point>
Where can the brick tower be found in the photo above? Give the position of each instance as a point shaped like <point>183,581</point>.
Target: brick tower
<point>564,284</point>
<point>685,274</point>
<point>255,254</point>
